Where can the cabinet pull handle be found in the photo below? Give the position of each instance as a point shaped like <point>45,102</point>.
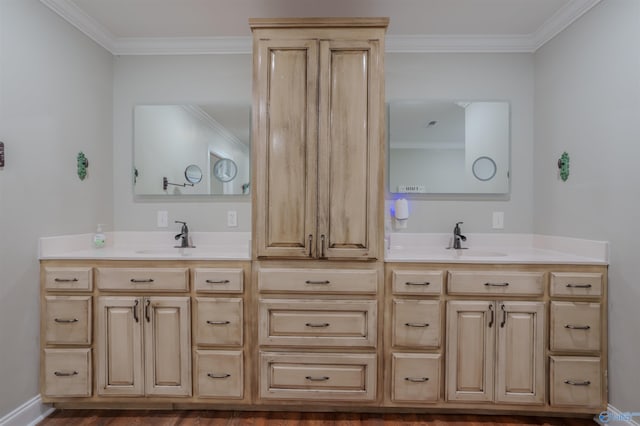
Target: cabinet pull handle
<point>416,324</point>
<point>317,324</point>
<point>577,327</point>
<point>136,281</point>
<point>218,376</point>
<point>65,374</point>
<point>423,283</point>
<point>578,382</point>
<point>504,316</point>
<point>317,379</point>
<point>310,245</point>
<point>322,245</point>
<point>218,322</point>
<point>65,321</point>
<point>217,281</point>
<point>325,282</point>
<point>578,285</point>
<point>417,379</point>
<point>496,284</point>
<point>491,318</point>
<point>65,280</point>
<point>135,310</point>
<point>146,310</point>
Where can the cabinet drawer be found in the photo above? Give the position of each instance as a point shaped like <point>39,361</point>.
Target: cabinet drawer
<point>343,377</point>
<point>417,282</point>
<point>67,372</point>
<point>219,374</point>
<point>499,283</point>
<point>68,279</point>
<point>218,321</point>
<point>416,323</point>
<point>218,280</point>
<point>576,284</point>
<point>575,326</point>
<point>317,322</point>
<point>68,320</point>
<point>415,377</point>
<point>318,280</point>
<point>575,381</point>
<point>147,279</point>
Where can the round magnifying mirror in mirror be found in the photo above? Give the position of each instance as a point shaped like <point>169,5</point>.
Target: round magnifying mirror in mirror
<point>484,168</point>
<point>225,170</point>
<point>193,174</point>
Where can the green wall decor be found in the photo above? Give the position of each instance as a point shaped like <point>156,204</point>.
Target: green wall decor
<point>83,163</point>
<point>563,165</point>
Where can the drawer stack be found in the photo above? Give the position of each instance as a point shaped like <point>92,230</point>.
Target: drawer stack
<point>66,336</point>
<point>577,339</point>
<point>219,333</point>
<point>317,332</point>
<point>415,336</point>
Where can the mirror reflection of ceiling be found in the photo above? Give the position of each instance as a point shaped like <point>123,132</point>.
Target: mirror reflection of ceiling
<point>127,26</point>
<point>427,123</point>
<point>232,118</point>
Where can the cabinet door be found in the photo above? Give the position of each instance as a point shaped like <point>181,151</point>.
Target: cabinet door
<point>520,362</point>
<point>285,148</point>
<point>470,350</point>
<point>349,148</point>
<point>119,345</point>
<point>167,346</point>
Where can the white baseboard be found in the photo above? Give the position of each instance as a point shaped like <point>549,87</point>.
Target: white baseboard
<point>30,413</point>
<point>613,416</point>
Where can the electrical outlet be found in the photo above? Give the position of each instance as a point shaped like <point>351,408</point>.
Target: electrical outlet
<point>498,220</point>
<point>232,218</point>
<point>163,219</point>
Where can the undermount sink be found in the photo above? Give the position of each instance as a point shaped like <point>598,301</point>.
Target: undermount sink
<point>477,253</point>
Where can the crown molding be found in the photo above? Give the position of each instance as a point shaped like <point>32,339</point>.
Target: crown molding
<point>212,123</point>
<point>529,43</point>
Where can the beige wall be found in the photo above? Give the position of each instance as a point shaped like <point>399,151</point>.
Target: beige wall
<point>55,100</point>
<point>588,104</point>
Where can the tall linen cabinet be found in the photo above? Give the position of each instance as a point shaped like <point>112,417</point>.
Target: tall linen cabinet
<point>317,185</point>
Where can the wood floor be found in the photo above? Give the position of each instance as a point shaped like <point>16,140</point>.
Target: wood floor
<point>237,418</point>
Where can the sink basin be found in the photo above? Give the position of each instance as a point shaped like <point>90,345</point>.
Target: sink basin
<point>167,251</point>
<point>477,253</point>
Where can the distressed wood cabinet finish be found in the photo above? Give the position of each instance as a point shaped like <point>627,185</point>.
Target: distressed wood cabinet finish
<point>318,145</point>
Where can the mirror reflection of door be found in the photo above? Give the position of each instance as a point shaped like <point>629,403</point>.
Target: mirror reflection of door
<point>215,185</point>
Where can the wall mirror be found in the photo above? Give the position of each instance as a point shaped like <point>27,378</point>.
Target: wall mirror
<point>448,147</point>
<point>191,149</point>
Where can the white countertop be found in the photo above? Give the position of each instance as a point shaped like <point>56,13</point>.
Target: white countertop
<point>148,246</point>
<point>496,248</point>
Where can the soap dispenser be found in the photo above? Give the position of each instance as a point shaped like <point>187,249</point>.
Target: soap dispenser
<point>99,239</point>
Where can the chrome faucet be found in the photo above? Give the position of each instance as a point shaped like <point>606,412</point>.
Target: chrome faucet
<point>183,236</point>
<point>458,237</point>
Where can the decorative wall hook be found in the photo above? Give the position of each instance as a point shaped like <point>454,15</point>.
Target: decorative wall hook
<point>563,165</point>
<point>83,163</point>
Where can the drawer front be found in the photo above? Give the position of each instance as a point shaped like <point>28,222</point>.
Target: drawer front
<point>415,378</point>
<point>318,377</point>
<point>499,283</point>
<point>416,323</point>
<point>68,320</point>
<point>317,322</point>
<point>318,280</point>
<point>417,282</point>
<point>575,381</point>
<point>67,372</point>
<point>218,280</point>
<point>147,279</point>
<point>576,284</point>
<point>68,279</point>
<point>218,321</point>
<point>575,326</point>
<point>219,374</point>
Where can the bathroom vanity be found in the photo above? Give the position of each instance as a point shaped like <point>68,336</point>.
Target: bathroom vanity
<point>319,314</point>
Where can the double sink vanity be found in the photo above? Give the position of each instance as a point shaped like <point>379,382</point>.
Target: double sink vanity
<point>317,308</point>
<point>516,323</point>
